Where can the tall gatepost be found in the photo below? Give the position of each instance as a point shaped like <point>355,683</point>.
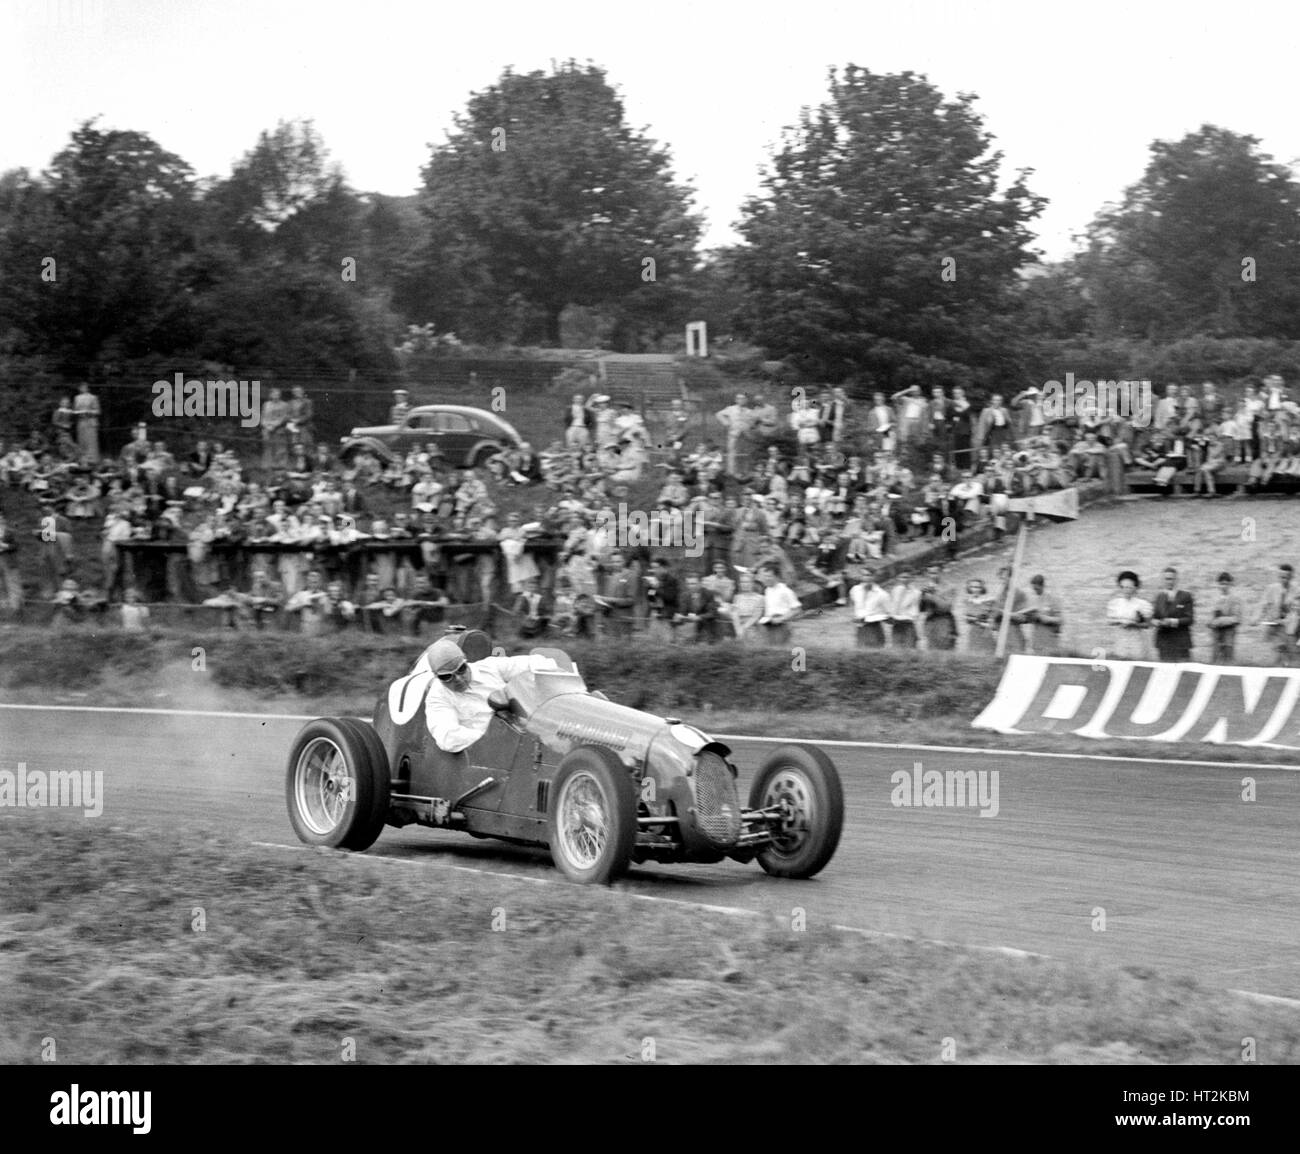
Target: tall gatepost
<point>697,335</point>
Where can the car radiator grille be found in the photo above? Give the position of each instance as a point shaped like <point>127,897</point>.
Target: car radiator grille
<point>717,808</point>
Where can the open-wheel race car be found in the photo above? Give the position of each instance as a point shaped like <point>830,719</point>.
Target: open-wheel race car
<point>600,784</point>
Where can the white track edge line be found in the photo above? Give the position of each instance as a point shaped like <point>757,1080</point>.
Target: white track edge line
<point>837,744</point>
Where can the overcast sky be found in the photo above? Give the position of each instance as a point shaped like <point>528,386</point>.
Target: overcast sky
<point>1077,93</point>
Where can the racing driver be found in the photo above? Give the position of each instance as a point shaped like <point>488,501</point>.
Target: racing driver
<point>456,708</point>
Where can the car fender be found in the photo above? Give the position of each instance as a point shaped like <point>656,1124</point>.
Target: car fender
<point>355,444</point>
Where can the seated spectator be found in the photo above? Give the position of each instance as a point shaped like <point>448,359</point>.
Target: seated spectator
<point>1214,460</point>
<point>135,616</point>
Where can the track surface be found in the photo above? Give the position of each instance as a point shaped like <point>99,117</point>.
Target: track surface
<point>1191,878</point>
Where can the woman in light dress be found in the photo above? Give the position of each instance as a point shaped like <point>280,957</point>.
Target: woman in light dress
<point>745,610</point>
<point>978,609</point>
<point>1130,617</point>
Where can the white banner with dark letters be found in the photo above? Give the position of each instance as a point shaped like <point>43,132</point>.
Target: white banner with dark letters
<point>1147,700</point>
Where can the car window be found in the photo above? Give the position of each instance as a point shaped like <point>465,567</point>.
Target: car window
<point>422,421</point>
<point>454,422</point>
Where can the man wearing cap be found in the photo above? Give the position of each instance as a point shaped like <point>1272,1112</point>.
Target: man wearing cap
<point>456,708</point>
<point>1043,613</point>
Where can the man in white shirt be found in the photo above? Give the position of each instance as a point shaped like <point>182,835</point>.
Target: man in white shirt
<point>456,708</point>
<point>780,607</point>
<point>871,606</point>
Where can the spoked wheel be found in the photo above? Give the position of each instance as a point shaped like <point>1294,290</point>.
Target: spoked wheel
<point>803,783</point>
<point>591,825</point>
<point>337,784</point>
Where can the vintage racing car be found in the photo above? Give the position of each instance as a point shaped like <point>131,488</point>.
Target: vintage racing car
<point>600,784</point>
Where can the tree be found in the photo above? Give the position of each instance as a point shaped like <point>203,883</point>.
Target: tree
<point>275,238</point>
<point>115,213</point>
<point>1208,241</point>
<point>542,198</point>
<point>880,246</point>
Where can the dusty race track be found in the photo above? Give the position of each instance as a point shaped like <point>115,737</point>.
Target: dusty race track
<point>1191,878</point>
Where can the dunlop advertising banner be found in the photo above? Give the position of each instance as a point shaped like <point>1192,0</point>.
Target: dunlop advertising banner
<point>1138,699</point>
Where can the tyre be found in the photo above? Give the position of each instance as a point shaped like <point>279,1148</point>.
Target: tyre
<point>483,455</point>
<point>337,784</point>
<point>803,781</point>
<point>591,826</point>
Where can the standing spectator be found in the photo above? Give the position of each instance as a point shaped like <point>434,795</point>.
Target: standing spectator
<point>400,407</point>
<point>55,535</point>
<point>880,425</point>
<point>736,420</point>
<point>978,610</point>
<point>780,607</point>
<point>938,418</point>
<point>994,425</point>
<point>719,584</point>
<point>533,608</point>
<point>579,421</point>
<point>1016,612</point>
<point>618,597</point>
<point>1174,617</point>
<point>309,602</point>
<point>698,607</point>
<point>520,566</point>
<point>834,416</point>
<point>1131,615</point>
<point>301,426</point>
<point>1168,409</point>
<point>960,423</point>
<point>1045,615</point>
<point>1225,616</point>
<point>1212,408</point>
<point>871,608</point>
<point>912,410</point>
<point>1030,404</point>
<point>9,578</point>
<point>763,419</point>
<point>937,599</point>
<point>662,595</point>
<point>86,410</point>
<point>275,418</point>
<point>64,421</point>
<point>904,612</point>
<point>1280,613</point>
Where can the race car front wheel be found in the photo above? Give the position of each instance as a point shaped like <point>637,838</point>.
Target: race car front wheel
<point>337,784</point>
<point>803,783</point>
<point>591,825</point>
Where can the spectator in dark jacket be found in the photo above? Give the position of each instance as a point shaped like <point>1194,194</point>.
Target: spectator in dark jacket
<point>1174,616</point>
<point>698,607</point>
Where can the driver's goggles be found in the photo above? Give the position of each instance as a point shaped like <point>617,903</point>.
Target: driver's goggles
<point>457,672</point>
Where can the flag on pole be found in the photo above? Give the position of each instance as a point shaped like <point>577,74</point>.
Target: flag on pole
<point>1060,505</point>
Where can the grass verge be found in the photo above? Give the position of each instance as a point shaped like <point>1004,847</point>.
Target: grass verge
<point>174,947</point>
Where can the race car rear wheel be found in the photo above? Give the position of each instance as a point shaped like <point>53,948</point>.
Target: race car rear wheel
<point>591,826</point>
<point>804,783</point>
<point>337,784</point>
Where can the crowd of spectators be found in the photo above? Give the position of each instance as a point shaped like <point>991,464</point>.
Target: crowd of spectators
<point>925,611</point>
<point>816,488</point>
